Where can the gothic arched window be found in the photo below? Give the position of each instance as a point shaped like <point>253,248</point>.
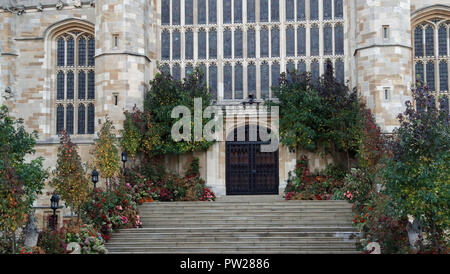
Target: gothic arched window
<point>228,85</point>
<point>227,12</point>
<point>418,41</point>
<point>420,71</point>
<point>265,84</point>
<point>429,40</point>
<point>327,9</point>
<point>430,76</point>
<point>301,41</point>
<point>74,78</point>
<point>251,43</point>
<point>213,81</point>
<point>176,72</point>
<point>165,12</point>
<point>238,82</point>
<point>237,11</point>
<point>314,9</point>
<point>212,11</point>
<point>81,119</point>
<point>290,41</point>
<point>251,11</point>
<point>251,79</point>
<point>315,70</point>
<point>212,36</point>
<point>202,44</point>
<point>263,10</point>
<point>338,9</point>
<point>328,40</point>
<point>91,119</point>
<point>290,10</point>
<point>201,12</point>
<point>443,40</point>
<point>301,10</point>
<point>275,42</point>
<point>340,71</point>
<point>274,11</point>
<point>314,41</point>
<point>264,44</point>
<point>189,48</point>
<point>238,43</point>
<point>165,45</point>
<point>176,45</point>
<point>339,39</point>
<point>443,76</point>
<point>189,12</point>
<point>227,44</point>
<point>176,17</point>
<point>275,73</point>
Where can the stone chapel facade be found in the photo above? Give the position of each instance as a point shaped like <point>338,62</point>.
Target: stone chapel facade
<point>68,63</point>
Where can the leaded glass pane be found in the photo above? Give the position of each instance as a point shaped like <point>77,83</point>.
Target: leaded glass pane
<point>202,44</point>
<point>264,45</point>
<point>251,11</point>
<point>176,12</point>
<point>290,10</point>
<point>165,69</point>
<point>301,41</point>
<point>213,81</point>
<point>227,44</point>
<point>314,41</point>
<point>188,70</point>
<point>59,119</point>
<point>443,76</point>
<point>275,11</point>
<point>201,12</point>
<point>327,9</point>
<point>212,11</point>
<point>430,76</point>
<point>189,48</point>
<point>82,85</point>
<point>328,40</point>
<point>238,83</point>
<point>238,43</point>
<point>165,45</point>
<point>176,72</point>
<point>91,85</point>
<point>420,71</point>
<point>338,9</point>
<point>70,85</point>
<point>263,10</point>
<point>443,40</point>
<point>429,40</point>
<point>91,119</point>
<point>212,44</point>
<point>61,51</point>
<point>91,52</point>
<point>176,45</point>
<point>227,85</point>
<point>315,73</point>
<point>60,86</point>
<point>82,52</point>
<point>69,119</point>
<point>290,41</point>
<point>275,74</point>
<point>314,10</point>
<point>275,42</point>
<point>301,67</point>
<point>189,12</point>
<point>418,41</point>
<point>251,80</point>
<point>237,11</point>
<point>290,70</point>
<point>301,11</point>
<point>70,52</point>
<point>251,43</point>
<point>265,85</point>
<point>339,40</point>
<point>165,12</point>
<point>81,119</point>
<point>340,71</point>
<point>227,12</point>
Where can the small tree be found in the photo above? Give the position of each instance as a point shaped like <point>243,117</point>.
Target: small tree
<point>20,181</point>
<point>69,179</point>
<point>417,175</point>
<point>106,152</point>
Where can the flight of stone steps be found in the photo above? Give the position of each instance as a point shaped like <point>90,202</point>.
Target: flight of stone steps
<point>237,225</point>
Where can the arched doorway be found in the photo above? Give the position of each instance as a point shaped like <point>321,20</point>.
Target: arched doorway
<point>248,170</point>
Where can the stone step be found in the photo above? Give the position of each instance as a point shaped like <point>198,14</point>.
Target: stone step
<point>155,213</point>
<point>246,252</point>
<point>224,224</point>
<point>240,229</point>
<point>186,236</point>
<point>245,218</point>
<point>251,249</point>
<point>223,239</point>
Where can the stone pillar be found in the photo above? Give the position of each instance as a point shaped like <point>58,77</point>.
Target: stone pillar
<point>8,55</point>
<point>383,64</point>
<point>126,51</point>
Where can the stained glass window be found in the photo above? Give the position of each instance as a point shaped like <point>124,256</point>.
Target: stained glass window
<point>314,41</point>
<point>165,45</point>
<point>176,72</point>
<point>176,12</point>
<point>338,9</point>
<point>314,10</point>
<point>301,67</point>
<point>340,71</point>
<point>290,10</point>
<point>228,85</point>
<point>443,76</point>
<point>81,85</point>
<point>212,11</point>
<point>429,40</point>
<point>339,39</point>
<point>301,11</point>
<point>213,81</point>
<point>290,41</point>
<point>275,73</point>
<point>70,85</point>
<point>69,119</point>
<point>418,41</point>
<point>70,52</point>
<point>176,45</point>
<point>188,70</point>
<point>315,73</point>
<point>237,11</point>
<point>189,48</point>
<point>61,51</point>
<point>301,41</point>
<point>251,43</point>
<point>420,71</point>
<point>442,40</point>
<point>430,76</point>
<point>91,52</point>
<point>263,10</point>
<point>251,79</point>
<point>251,10</point>
<point>227,12</point>
<point>328,40</point>
<point>91,85</point>
<point>59,119</point>
<point>275,11</point>
<point>212,44</point>
<point>81,119</point>
<point>327,9</point>
<point>265,85</point>
<point>238,83</point>
<point>91,119</point>
<point>60,86</point>
<point>165,12</point>
<point>189,12</point>
<point>275,42</point>
<point>202,44</point>
<point>82,52</point>
<point>201,12</point>
<point>264,45</point>
<point>290,69</point>
<point>227,43</point>
<point>238,43</point>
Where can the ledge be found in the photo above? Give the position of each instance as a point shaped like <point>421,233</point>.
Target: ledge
<point>124,53</point>
<point>381,46</point>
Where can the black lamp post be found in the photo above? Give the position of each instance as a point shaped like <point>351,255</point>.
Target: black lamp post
<point>124,159</point>
<point>95,177</point>
<point>54,204</point>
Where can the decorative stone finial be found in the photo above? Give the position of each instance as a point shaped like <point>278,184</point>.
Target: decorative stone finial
<point>59,5</point>
<point>77,3</point>
<point>20,10</point>
<point>7,93</point>
<point>39,7</point>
